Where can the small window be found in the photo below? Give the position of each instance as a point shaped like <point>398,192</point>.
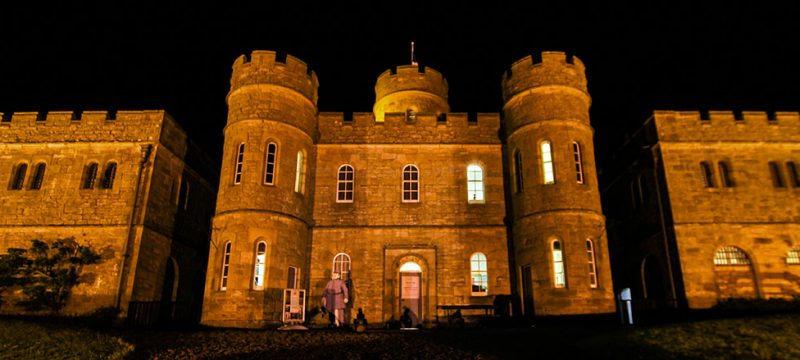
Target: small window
<point>344,184</point>
<point>237,175</point>
<point>410,184</point>
<point>260,266</point>
<point>592,263</point>
<point>518,184</point>
<point>479,274</point>
<point>38,176</point>
<point>226,260</point>
<point>89,176</point>
<point>183,195</point>
<point>109,174</point>
<point>777,177</point>
<point>269,167</point>
<point>18,181</point>
<point>548,174</point>
<point>559,276</point>
<point>730,255</point>
<point>291,279</point>
<point>411,115</point>
<point>474,184</point>
<point>300,175</point>
<point>725,178</point>
<point>341,266</point>
<point>707,174</point>
<point>791,168</point>
<point>578,158</point>
<point>793,257</point>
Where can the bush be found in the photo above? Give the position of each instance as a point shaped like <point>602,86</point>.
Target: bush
<point>11,266</point>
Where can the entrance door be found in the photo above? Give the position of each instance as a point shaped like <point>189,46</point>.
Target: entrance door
<point>527,292</point>
<point>410,293</point>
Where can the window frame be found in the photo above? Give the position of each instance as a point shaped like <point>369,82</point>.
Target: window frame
<point>592,262</point>
<point>729,255</point>
<point>414,194</point>
<point>707,175</point>
<point>482,273</point>
<point>547,163</point>
<point>262,268</point>
<point>479,185</point>
<point>300,173</point>
<point>226,262</point>
<point>577,156</point>
<point>238,164</point>
<point>338,265</point>
<point>343,170</point>
<point>267,173</point>
<point>556,261</point>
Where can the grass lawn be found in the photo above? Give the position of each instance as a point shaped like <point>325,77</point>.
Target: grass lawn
<point>20,339</point>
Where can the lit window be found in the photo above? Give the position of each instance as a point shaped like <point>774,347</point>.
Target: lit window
<point>260,266</point>
<point>725,178</point>
<point>410,184</point>
<point>592,263</point>
<point>411,115</point>
<point>300,180</point>
<point>344,184</point>
<point>548,175</point>
<point>341,266</point>
<point>706,174</point>
<point>479,274</point>
<point>226,260</point>
<point>237,175</point>
<point>729,255</point>
<point>559,278</point>
<point>777,177</point>
<point>793,175</point>
<point>793,257</point>
<point>109,175</point>
<point>19,177</point>
<point>578,158</point>
<point>269,167</point>
<point>89,176</point>
<point>474,184</point>
<point>518,172</point>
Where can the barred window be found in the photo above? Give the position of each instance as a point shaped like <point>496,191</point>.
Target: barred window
<point>730,255</point>
<point>260,266</point>
<point>269,164</point>
<point>479,274</point>
<point>18,181</point>
<point>518,172</point>
<point>559,276</point>
<point>89,176</point>
<point>410,184</point>
<point>592,263</point>
<point>108,175</point>
<point>341,266</point>
<point>226,261</point>
<point>474,184</point>
<point>578,158</point>
<point>237,175</point>
<point>344,184</point>
<point>793,257</point>
<point>548,174</point>
<point>707,174</point>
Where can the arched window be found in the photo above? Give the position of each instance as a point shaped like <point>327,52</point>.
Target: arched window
<point>109,174</point>
<point>548,174</point>
<point>237,174</point>
<point>725,178</point>
<point>794,177</point>
<point>518,184</point>
<point>341,266</point>
<point>592,263</point>
<point>226,260</point>
<point>706,174</point>
<point>300,179</point>
<point>479,274</point>
<point>410,184</point>
<point>559,277</point>
<point>730,255</point>
<point>578,158</point>
<point>19,177</point>
<point>474,184</point>
<point>793,256</point>
<point>38,176</point>
<point>344,184</point>
<point>269,164</point>
<point>260,266</point>
<point>777,177</point>
<point>89,176</point>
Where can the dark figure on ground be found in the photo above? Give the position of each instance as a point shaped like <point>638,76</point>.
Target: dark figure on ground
<point>405,320</point>
<point>360,323</point>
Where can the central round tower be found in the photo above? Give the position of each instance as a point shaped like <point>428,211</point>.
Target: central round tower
<point>410,88</point>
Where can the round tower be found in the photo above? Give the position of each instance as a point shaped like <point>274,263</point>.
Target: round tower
<point>414,88</point>
<point>560,244</point>
<point>260,233</point>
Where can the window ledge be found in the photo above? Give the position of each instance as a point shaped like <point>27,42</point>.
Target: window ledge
<point>480,294</point>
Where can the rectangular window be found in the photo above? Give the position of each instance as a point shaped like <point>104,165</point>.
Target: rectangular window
<point>344,184</point>
<point>226,260</point>
<point>548,174</point>
<point>269,170</point>
<point>777,177</point>
<point>237,176</point>
<point>576,154</point>
<point>479,275</point>
<point>474,184</point>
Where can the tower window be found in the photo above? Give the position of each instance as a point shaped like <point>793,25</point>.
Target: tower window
<point>344,184</point>
<point>260,266</point>
<point>777,177</point>
<point>479,274</point>
<point>707,174</point>
<point>109,174</point>
<point>793,257</point>
<point>411,115</point>
<point>89,176</point>
<point>474,184</point>
<point>300,179</point>
<point>725,178</point>
<point>237,175</point>
<point>410,184</point>
<point>730,255</point>
<point>269,166</point>
<point>38,176</point>
<point>341,266</point>
<point>548,174</point>
<point>592,263</point>
<point>559,276</point>
<point>518,184</point>
<point>578,158</point>
<point>793,176</point>
<point>226,260</point>
<point>19,177</point>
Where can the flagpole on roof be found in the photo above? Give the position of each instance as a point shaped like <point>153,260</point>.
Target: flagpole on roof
<point>413,55</point>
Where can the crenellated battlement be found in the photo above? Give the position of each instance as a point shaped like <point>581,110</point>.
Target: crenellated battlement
<point>425,128</point>
<point>411,77</point>
<point>716,126</point>
<point>71,126</point>
<point>263,67</point>
<point>555,68</point>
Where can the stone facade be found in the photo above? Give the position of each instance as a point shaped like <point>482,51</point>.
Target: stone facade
<point>150,225</point>
<point>678,217</point>
<point>282,173</point>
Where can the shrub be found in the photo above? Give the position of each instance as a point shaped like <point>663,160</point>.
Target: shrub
<point>11,265</point>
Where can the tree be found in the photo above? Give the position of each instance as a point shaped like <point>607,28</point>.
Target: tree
<point>51,271</point>
<point>11,265</point>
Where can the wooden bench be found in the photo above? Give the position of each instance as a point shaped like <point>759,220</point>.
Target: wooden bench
<point>450,310</point>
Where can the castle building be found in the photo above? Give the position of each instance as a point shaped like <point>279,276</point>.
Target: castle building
<point>130,185</point>
<point>413,205</point>
<point>703,208</point>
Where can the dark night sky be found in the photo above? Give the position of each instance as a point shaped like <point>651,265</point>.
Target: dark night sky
<point>178,56</point>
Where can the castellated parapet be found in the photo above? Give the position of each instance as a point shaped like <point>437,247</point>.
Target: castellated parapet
<point>446,128</point>
<point>555,69</point>
<point>715,126</point>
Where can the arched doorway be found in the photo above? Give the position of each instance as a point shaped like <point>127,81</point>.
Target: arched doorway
<point>411,292</point>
